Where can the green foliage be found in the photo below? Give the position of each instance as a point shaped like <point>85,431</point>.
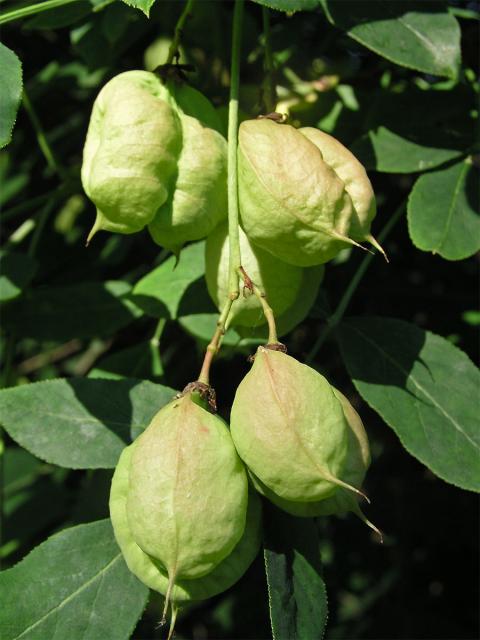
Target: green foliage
<point>416,35</point>
<point>296,590</point>
<point>423,387</point>
<point>443,211</point>
<point>11,81</point>
<point>84,423</point>
<point>89,593</point>
<point>81,310</point>
<point>94,342</point>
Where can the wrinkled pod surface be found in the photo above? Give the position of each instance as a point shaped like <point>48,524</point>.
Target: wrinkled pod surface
<point>153,157</point>
<point>290,429</point>
<point>186,492</point>
<point>302,195</point>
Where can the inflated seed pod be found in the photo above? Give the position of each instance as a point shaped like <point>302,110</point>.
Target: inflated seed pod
<point>280,281</point>
<point>130,156</point>
<point>187,491</point>
<point>356,464</point>
<point>154,156</point>
<point>355,179</point>
<point>199,196</point>
<point>153,574</point>
<point>293,202</point>
<point>290,429</point>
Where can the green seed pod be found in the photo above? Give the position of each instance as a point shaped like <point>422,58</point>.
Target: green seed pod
<point>355,179</point>
<point>153,157</point>
<point>280,281</point>
<point>187,494</point>
<point>355,467</point>
<point>131,151</point>
<point>290,429</point>
<point>152,573</point>
<point>293,203</point>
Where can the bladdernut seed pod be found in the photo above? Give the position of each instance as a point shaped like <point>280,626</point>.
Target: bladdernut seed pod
<point>290,429</point>
<point>302,197</point>
<point>152,573</point>
<point>281,282</point>
<point>149,161</point>
<point>187,491</point>
<point>356,464</point>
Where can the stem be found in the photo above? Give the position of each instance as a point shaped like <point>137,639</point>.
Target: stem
<point>268,313</point>
<point>214,343</point>
<point>235,260</point>
<point>32,9</point>
<point>270,98</point>
<point>173,50</point>
<point>41,138</point>
<point>232,185</point>
<point>339,312</point>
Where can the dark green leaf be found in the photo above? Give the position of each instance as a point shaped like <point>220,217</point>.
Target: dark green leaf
<point>11,94</point>
<point>424,388</point>
<point>289,6</point>
<point>75,311</point>
<point>60,16</point>
<point>16,271</point>
<point>140,361</point>
<point>296,590</point>
<point>143,5</point>
<point>75,585</point>
<point>416,129</point>
<point>164,291</point>
<point>443,212</point>
<point>80,423</point>
<point>387,151</point>
<point>417,35</point>
<point>20,469</point>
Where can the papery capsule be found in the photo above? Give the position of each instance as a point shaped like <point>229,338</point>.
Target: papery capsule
<point>295,202</point>
<point>187,491</point>
<point>290,429</point>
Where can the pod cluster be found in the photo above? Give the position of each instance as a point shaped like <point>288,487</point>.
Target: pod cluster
<point>154,158</point>
<point>184,500</point>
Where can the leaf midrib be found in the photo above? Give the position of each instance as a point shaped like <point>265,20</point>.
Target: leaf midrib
<point>410,377</point>
<point>84,586</point>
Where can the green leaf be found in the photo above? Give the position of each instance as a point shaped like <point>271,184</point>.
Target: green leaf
<point>143,5</point>
<point>416,129</point>
<point>296,590</point>
<point>416,35</point>
<point>164,291</point>
<point>443,211</point>
<point>60,16</point>
<point>290,6</point>
<point>80,310</point>
<point>423,387</point>
<point>75,585</point>
<point>20,469</point>
<point>11,94</point>
<point>16,272</point>
<point>80,423</point>
<point>140,361</point>
<point>390,152</point>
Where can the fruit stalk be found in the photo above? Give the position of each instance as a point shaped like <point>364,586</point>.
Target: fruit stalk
<point>173,50</point>
<point>232,186</point>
